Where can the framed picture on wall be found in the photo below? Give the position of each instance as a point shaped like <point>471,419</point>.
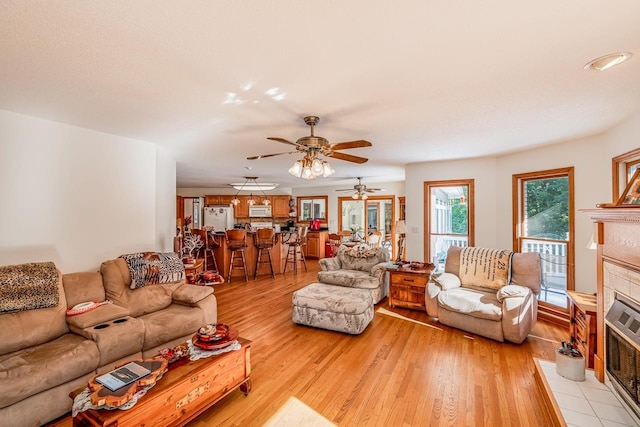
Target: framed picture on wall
<point>623,168</point>
<point>631,195</point>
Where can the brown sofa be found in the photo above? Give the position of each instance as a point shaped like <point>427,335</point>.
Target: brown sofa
<point>44,354</point>
<point>505,314</point>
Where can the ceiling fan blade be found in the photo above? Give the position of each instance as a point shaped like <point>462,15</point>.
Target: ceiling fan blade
<point>373,190</point>
<point>347,157</point>
<point>346,189</point>
<point>262,156</point>
<point>284,141</point>
<point>350,144</point>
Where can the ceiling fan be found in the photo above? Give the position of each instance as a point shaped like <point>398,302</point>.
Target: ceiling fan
<point>313,145</point>
<point>361,190</point>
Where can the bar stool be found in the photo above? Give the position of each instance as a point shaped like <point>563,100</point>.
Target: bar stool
<point>295,248</point>
<point>237,242</point>
<point>206,249</point>
<point>265,239</point>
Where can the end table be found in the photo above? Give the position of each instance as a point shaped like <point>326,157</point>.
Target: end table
<point>407,287</point>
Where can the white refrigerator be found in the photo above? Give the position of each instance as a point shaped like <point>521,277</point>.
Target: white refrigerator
<point>219,217</point>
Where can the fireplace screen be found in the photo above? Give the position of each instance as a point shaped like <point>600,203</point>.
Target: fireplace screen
<point>623,363</point>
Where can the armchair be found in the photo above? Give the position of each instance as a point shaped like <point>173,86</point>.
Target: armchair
<point>358,267</point>
<point>503,312</point>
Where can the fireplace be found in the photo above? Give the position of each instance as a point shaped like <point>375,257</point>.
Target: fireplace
<point>622,343</point>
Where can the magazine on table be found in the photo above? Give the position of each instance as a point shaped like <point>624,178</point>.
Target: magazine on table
<point>123,376</point>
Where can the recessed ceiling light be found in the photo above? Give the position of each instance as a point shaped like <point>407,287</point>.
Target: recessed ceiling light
<point>607,61</point>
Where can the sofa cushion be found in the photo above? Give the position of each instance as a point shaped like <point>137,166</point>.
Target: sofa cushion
<point>24,329</point>
<point>29,371</point>
<point>525,271</point>
<point>191,294</point>
<point>173,322</point>
<point>116,279</point>
<point>349,278</point>
<point>83,287</point>
<point>473,302</point>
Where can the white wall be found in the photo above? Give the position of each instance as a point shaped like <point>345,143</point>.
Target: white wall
<point>590,157</point>
<point>78,197</point>
<point>482,171</point>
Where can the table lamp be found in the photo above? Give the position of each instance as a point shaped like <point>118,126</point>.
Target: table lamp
<point>401,230</point>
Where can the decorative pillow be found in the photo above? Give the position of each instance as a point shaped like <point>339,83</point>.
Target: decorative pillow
<point>486,268</point>
<point>28,286</point>
<point>148,268</point>
<point>447,281</point>
<point>362,250</point>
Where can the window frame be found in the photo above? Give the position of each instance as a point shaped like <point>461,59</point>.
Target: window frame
<point>428,185</point>
<point>518,181</point>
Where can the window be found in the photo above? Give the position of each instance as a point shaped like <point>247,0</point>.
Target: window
<point>449,207</point>
<point>544,223</point>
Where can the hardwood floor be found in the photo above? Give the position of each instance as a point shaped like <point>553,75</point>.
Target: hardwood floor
<point>396,373</point>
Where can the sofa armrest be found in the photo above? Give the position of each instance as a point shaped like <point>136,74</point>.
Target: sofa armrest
<point>102,314</point>
<point>329,264</point>
<point>191,294</point>
<point>379,270</point>
<point>431,298</point>
<point>510,291</point>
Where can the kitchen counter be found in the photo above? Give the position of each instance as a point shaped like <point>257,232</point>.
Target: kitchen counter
<point>223,256</point>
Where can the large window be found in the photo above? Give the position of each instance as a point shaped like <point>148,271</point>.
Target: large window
<point>544,223</point>
<point>363,217</point>
<point>449,207</point>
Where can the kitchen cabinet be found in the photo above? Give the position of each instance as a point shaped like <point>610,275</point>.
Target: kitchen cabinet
<point>241,210</point>
<point>316,240</point>
<point>280,206</point>
<point>224,199</point>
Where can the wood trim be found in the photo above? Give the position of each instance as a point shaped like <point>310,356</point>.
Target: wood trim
<point>426,196</point>
<point>547,394</point>
<point>615,170</point>
<point>517,193</point>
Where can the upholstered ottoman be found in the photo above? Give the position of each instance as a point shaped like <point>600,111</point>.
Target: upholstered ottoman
<point>336,308</point>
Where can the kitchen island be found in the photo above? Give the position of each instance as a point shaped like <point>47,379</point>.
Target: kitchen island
<point>223,256</point>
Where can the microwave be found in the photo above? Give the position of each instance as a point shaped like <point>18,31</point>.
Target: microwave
<point>260,211</point>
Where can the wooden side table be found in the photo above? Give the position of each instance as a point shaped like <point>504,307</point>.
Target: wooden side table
<point>407,287</point>
<point>583,311</point>
<point>191,271</point>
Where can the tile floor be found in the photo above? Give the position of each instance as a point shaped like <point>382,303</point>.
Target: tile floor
<point>586,403</point>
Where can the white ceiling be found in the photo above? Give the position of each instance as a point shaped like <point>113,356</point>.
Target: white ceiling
<point>422,80</point>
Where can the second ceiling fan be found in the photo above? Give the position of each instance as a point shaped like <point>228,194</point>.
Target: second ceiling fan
<point>360,190</point>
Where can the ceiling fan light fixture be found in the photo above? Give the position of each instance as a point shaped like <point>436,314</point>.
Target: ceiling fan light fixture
<point>607,61</point>
<point>296,169</point>
<point>327,170</point>
<point>317,167</point>
<point>364,197</point>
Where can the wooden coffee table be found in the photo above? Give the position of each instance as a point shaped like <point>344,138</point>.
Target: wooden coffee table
<point>185,391</point>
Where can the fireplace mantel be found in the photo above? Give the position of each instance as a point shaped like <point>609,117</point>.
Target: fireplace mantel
<point>618,239</point>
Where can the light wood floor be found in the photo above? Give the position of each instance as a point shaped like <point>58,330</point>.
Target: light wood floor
<point>396,373</point>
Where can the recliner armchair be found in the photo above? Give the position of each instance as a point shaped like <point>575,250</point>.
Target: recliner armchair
<point>506,314</point>
<point>358,267</point>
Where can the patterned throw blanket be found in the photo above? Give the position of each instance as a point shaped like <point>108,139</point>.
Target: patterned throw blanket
<point>148,268</point>
<point>28,286</point>
<point>487,268</point>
